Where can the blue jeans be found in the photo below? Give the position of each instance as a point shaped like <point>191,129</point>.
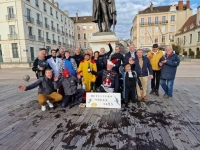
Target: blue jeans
<point>167,86</point>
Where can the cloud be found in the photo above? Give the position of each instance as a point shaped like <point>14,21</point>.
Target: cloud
<point>126,11</point>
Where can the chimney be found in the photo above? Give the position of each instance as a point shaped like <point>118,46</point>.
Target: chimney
<point>66,12</point>
<point>151,6</point>
<point>76,17</point>
<point>198,16</point>
<point>56,4</point>
<point>188,4</point>
<point>180,5</point>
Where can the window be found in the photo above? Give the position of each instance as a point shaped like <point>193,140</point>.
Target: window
<point>156,29</point>
<point>12,29</point>
<point>142,21</point>
<point>47,35</point>
<point>10,12</point>
<point>156,39</point>
<point>38,18</point>
<point>184,40</point>
<point>85,37</point>
<point>141,30</point>
<point>142,40</point>
<point>61,18</point>
<point>57,26</point>
<point>36,3</point>
<point>156,20</point>
<point>44,6</point>
<point>172,28</point>
<point>85,45</point>
<point>52,23</point>
<point>63,39</point>
<point>51,11</point>
<point>190,38</point>
<point>149,40</point>
<point>79,36</point>
<point>62,28</point>
<point>29,30</point>
<point>149,20</point>
<point>56,14</point>
<point>79,44</point>
<point>65,21</point>
<point>163,29</point>
<point>172,17</point>
<point>39,33</point>
<point>78,28</point>
<point>69,23</point>
<point>149,30</point>
<point>53,37</point>
<point>198,36</point>
<point>163,19</point>
<point>91,27</point>
<point>84,27</point>
<point>15,50</point>
<point>58,38</point>
<point>171,38</point>
<point>28,13</point>
<point>45,20</point>
<point>163,38</point>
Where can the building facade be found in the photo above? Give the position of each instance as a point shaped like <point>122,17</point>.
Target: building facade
<point>159,24</point>
<point>188,36</point>
<point>28,25</point>
<point>83,29</point>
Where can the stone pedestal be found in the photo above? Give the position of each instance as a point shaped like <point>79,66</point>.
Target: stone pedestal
<point>99,39</point>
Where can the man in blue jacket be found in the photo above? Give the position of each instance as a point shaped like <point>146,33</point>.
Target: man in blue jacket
<point>143,69</point>
<point>169,64</point>
<point>131,53</point>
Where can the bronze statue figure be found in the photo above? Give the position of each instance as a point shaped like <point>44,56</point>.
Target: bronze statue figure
<point>104,11</point>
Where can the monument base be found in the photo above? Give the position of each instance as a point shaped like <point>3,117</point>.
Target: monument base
<point>99,39</point>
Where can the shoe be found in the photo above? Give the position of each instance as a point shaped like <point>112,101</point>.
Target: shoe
<point>139,98</point>
<point>64,105</point>
<point>43,108</point>
<point>152,91</point>
<point>145,98</point>
<point>165,95</point>
<point>50,104</point>
<point>156,92</point>
<point>170,98</point>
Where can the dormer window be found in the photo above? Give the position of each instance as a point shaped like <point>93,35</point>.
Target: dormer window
<point>185,29</point>
<point>192,26</point>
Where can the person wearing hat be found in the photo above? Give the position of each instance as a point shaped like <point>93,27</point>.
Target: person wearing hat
<point>55,63</point>
<point>69,84</point>
<point>154,56</point>
<point>130,79</point>
<point>84,70</point>
<point>110,79</point>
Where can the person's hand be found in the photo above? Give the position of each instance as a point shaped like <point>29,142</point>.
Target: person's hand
<point>151,76</point>
<point>78,76</point>
<point>160,64</point>
<point>82,79</point>
<point>55,78</point>
<point>131,61</point>
<point>164,61</point>
<point>107,43</point>
<point>40,68</point>
<point>151,55</point>
<point>141,92</point>
<point>22,87</point>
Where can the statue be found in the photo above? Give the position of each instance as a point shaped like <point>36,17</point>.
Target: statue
<point>104,11</point>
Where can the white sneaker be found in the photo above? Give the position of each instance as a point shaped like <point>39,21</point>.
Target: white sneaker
<point>43,108</point>
<point>50,104</point>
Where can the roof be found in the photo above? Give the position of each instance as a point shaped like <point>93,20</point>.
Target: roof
<point>82,19</point>
<point>191,22</point>
<point>155,9</point>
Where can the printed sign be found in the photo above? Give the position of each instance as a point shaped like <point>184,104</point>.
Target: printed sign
<point>103,100</point>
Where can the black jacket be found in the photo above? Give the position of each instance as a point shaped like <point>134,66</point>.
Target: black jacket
<point>46,86</point>
<point>78,59</point>
<point>120,59</point>
<point>126,59</point>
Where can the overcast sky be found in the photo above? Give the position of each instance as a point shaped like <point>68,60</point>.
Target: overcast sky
<point>126,10</point>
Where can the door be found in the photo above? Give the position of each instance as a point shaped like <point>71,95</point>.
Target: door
<point>1,57</point>
<point>32,53</point>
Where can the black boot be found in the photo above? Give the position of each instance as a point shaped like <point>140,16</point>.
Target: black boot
<point>152,91</point>
<point>156,92</point>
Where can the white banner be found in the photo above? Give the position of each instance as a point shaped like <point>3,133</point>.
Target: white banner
<point>103,100</point>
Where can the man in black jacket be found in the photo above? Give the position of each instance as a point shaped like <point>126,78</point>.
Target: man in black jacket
<point>131,53</point>
<point>46,90</point>
<point>118,58</point>
<point>77,56</point>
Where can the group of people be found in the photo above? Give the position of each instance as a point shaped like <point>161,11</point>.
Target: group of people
<point>65,77</point>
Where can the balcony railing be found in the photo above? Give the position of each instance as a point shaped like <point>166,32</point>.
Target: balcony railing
<point>53,28</point>
<point>30,19</point>
<point>63,33</point>
<point>39,23</point>
<point>41,39</point>
<point>48,40</point>
<point>31,37</point>
<point>153,23</point>
<point>10,17</point>
<point>12,36</point>
<point>58,30</point>
<point>54,41</point>
<point>46,26</point>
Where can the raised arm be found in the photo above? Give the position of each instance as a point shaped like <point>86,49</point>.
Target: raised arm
<point>34,85</point>
<point>110,51</point>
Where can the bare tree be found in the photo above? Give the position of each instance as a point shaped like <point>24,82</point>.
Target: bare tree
<point>180,43</point>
